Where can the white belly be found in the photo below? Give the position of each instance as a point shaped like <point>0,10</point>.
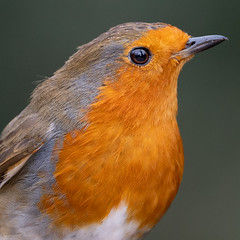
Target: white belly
<point>115,227</point>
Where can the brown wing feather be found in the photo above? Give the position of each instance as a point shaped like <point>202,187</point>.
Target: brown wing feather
<point>18,142</point>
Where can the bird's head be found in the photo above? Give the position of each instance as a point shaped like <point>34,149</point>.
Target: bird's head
<point>133,67</point>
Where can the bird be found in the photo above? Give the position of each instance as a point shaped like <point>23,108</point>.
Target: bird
<point>97,153</point>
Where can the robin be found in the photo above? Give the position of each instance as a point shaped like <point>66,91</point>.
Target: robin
<point>97,153</point>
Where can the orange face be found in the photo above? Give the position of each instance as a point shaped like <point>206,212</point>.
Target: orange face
<point>163,43</point>
<point>159,64</point>
<point>151,86</point>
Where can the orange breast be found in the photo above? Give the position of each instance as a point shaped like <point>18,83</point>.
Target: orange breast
<point>102,166</point>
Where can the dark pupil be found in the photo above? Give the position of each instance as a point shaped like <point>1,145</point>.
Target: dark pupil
<point>139,56</point>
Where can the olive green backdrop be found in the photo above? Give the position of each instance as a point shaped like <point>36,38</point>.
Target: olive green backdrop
<point>38,36</point>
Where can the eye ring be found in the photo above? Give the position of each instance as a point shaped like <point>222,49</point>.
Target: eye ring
<point>140,56</point>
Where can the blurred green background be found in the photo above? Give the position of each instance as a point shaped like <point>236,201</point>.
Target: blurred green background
<point>38,36</point>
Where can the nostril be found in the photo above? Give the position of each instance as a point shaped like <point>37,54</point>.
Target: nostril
<point>190,43</point>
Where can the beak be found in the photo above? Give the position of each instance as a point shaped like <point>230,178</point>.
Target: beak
<point>198,44</point>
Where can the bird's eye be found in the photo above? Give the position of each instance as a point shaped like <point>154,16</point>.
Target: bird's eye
<point>140,56</point>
